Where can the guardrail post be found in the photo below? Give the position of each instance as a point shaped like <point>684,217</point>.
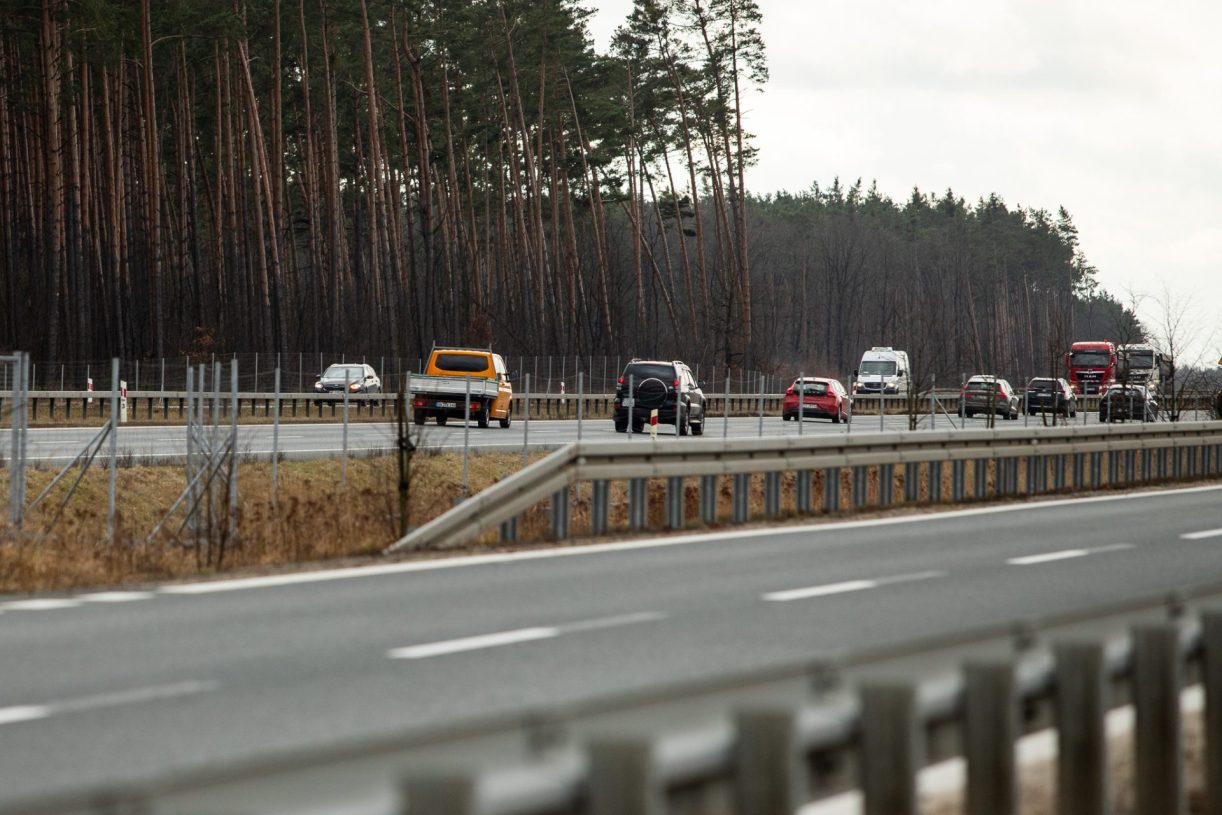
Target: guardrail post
<point>831,489</point>
<point>560,513</point>
<point>958,479</point>
<point>770,770</point>
<point>623,779</point>
<point>772,494</point>
<point>1081,703</point>
<point>991,730</point>
<point>891,749</point>
<point>1058,472</point>
<point>638,504</point>
<point>1130,466</point>
<point>742,497</point>
<point>1161,462</point>
<point>886,484</point>
<point>934,472</point>
<point>1211,641</point>
<point>440,795</point>
<point>509,530</point>
<point>1079,470</point>
<point>803,496</point>
<point>708,499</point>
<point>600,508</point>
<point>912,482</point>
<point>861,486</point>
<point>1096,470</point>
<point>1157,679</point>
<point>674,502</point>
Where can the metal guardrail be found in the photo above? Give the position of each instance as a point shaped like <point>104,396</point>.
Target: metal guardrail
<point>873,470</point>
<point>167,404</point>
<point>775,754</point>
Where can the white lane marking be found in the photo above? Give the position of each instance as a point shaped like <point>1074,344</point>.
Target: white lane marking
<point>820,591</point>
<point>433,649</point>
<point>45,604</point>
<point>26,713</point>
<point>612,622</point>
<point>518,635</point>
<point>115,596</point>
<point>239,584</point>
<point>1207,533</point>
<point>1066,554</point>
<point>848,586</point>
<point>23,713</point>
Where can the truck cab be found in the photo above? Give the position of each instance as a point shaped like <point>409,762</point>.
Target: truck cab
<point>1092,366</point>
<point>883,370</point>
<point>455,374</point>
<point>1140,364</point>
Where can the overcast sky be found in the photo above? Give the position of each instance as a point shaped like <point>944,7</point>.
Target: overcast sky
<point>1110,108</point>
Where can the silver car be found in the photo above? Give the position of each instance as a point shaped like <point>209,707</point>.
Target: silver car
<point>984,393</point>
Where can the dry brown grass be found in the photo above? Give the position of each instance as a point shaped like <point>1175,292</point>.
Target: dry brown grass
<point>319,518</point>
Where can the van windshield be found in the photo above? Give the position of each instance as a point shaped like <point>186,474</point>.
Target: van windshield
<point>877,367</point>
<point>1141,359</point>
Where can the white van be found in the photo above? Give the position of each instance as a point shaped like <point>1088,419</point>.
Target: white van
<point>885,370</point>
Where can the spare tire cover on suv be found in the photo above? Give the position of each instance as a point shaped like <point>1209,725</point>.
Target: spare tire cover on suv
<point>651,393</point>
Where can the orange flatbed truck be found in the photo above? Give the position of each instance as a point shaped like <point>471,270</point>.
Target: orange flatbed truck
<point>453,374</point>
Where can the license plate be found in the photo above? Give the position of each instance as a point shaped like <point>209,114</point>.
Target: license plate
<point>447,404</point>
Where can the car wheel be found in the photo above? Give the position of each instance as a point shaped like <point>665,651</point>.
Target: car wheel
<point>418,417</point>
<point>681,425</point>
<point>508,418</point>
<point>621,427</point>
<point>637,427</point>
<point>481,418</point>
<point>442,418</point>
<point>698,428</point>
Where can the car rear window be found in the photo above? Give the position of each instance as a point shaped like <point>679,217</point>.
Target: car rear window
<point>642,371</point>
<point>461,363</point>
<point>982,387</point>
<point>815,389</point>
<point>1042,384</point>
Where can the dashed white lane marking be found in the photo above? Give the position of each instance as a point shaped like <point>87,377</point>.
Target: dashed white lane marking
<point>517,635</point>
<point>1207,533</point>
<point>1066,554</point>
<point>847,586</point>
<point>115,596</point>
<point>44,604</point>
<point>26,713</point>
<point>434,649</point>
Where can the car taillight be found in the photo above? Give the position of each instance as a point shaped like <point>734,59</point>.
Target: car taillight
<point>789,392</point>
<point>621,380</point>
<point>676,383</point>
<point>417,403</point>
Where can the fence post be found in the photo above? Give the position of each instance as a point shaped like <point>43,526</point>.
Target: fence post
<point>1081,704</point>
<point>770,770</point>
<point>1158,752</point>
<point>526,421</point>
<point>344,464</point>
<point>114,449</point>
<point>891,749</point>
<point>725,408</point>
<point>276,441</point>
<point>991,730</point>
<point>233,450</point>
<point>623,779</point>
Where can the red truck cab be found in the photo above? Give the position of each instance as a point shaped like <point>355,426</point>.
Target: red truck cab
<point>1092,366</point>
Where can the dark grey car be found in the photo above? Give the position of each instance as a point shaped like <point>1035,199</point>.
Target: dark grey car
<point>1048,395</point>
<point>667,387</point>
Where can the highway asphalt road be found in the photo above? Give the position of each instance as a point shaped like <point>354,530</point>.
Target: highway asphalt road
<point>102,686</point>
<point>162,443</point>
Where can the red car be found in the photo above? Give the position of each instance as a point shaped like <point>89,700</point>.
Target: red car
<point>825,398</point>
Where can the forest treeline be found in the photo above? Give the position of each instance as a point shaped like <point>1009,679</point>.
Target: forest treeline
<point>376,175</point>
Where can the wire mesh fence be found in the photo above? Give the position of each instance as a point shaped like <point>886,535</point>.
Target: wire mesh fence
<point>551,374</point>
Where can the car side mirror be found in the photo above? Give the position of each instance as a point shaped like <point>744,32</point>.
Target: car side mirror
<point>900,372</point>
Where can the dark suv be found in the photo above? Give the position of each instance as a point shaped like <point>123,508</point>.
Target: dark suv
<point>668,387</point>
<point>1048,395</point>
